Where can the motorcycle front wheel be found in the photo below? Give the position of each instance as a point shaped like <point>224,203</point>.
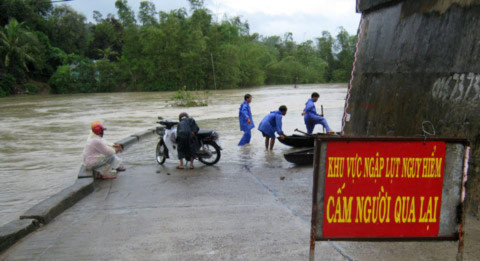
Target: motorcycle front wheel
<point>209,153</point>
<point>161,152</point>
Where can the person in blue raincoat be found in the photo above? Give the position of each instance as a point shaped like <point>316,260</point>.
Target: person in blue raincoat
<point>312,118</point>
<point>246,120</point>
<point>272,123</point>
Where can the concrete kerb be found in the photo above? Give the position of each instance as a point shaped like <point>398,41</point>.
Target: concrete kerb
<point>144,134</point>
<point>12,232</point>
<point>84,172</point>
<point>127,142</point>
<point>48,209</point>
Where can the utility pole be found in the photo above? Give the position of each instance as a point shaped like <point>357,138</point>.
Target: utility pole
<point>213,68</point>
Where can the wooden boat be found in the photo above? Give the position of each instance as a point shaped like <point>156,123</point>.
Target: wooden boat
<point>302,157</point>
<point>298,141</point>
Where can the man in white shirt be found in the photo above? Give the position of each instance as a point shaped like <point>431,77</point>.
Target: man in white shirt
<point>99,155</point>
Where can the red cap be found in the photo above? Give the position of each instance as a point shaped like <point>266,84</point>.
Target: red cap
<point>97,128</point>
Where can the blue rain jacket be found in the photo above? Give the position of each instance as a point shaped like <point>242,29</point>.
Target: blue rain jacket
<point>272,123</point>
<point>311,117</point>
<point>244,113</point>
<point>310,109</point>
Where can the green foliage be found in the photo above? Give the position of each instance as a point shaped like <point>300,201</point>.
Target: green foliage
<point>147,13</point>
<point>185,98</point>
<point>196,4</point>
<point>85,77</point>
<point>253,59</point>
<point>79,78</point>
<point>67,30</point>
<point>17,48</point>
<point>31,12</point>
<point>162,51</point>
<point>286,70</point>
<point>61,80</point>
<point>7,85</point>
<point>228,66</point>
<point>110,76</point>
<point>31,88</point>
<point>125,13</point>
<point>343,64</point>
<point>325,52</point>
<point>340,75</point>
<point>107,33</point>
<point>107,53</point>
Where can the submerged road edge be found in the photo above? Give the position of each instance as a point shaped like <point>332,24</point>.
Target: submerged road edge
<point>48,209</point>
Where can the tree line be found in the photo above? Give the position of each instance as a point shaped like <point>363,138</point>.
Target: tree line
<point>154,51</point>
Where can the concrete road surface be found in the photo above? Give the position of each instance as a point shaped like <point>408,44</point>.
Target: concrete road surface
<point>224,212</point>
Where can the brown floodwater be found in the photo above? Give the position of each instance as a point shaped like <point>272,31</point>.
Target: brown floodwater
<point>42,137</point>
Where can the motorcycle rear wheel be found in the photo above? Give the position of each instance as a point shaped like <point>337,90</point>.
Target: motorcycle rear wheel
<point>209,153</point>
<point>161,152</point>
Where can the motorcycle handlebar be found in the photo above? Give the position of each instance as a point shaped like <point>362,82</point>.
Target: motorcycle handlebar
<point>168,122</point>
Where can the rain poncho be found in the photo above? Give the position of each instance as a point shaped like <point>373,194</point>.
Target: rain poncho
<point>186,139</point>
<point>272,123</point>
<point>311,117</point>
<point>100,155</point>
<point>244,113</point>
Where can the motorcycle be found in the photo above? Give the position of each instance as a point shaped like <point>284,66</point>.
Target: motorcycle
<point>209,150</point>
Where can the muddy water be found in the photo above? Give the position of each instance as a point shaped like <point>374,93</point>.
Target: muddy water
<point>42,137</point>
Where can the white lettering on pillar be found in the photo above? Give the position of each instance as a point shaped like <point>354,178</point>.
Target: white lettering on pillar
<point>457,88</point>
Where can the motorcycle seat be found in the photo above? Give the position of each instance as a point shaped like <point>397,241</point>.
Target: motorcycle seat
<point>204,133</point>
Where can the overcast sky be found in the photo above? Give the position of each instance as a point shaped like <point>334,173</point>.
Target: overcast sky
<point>306,19</point>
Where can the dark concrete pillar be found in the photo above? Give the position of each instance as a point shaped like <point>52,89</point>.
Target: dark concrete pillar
<point>418,62</point>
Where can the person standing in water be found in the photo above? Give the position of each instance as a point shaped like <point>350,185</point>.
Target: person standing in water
<point>186,139</point>
<point>312,118</point>
<point>246,120</point>
<point>272,123</point>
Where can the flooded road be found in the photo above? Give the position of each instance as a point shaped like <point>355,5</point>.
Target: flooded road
<point>42,137</point>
